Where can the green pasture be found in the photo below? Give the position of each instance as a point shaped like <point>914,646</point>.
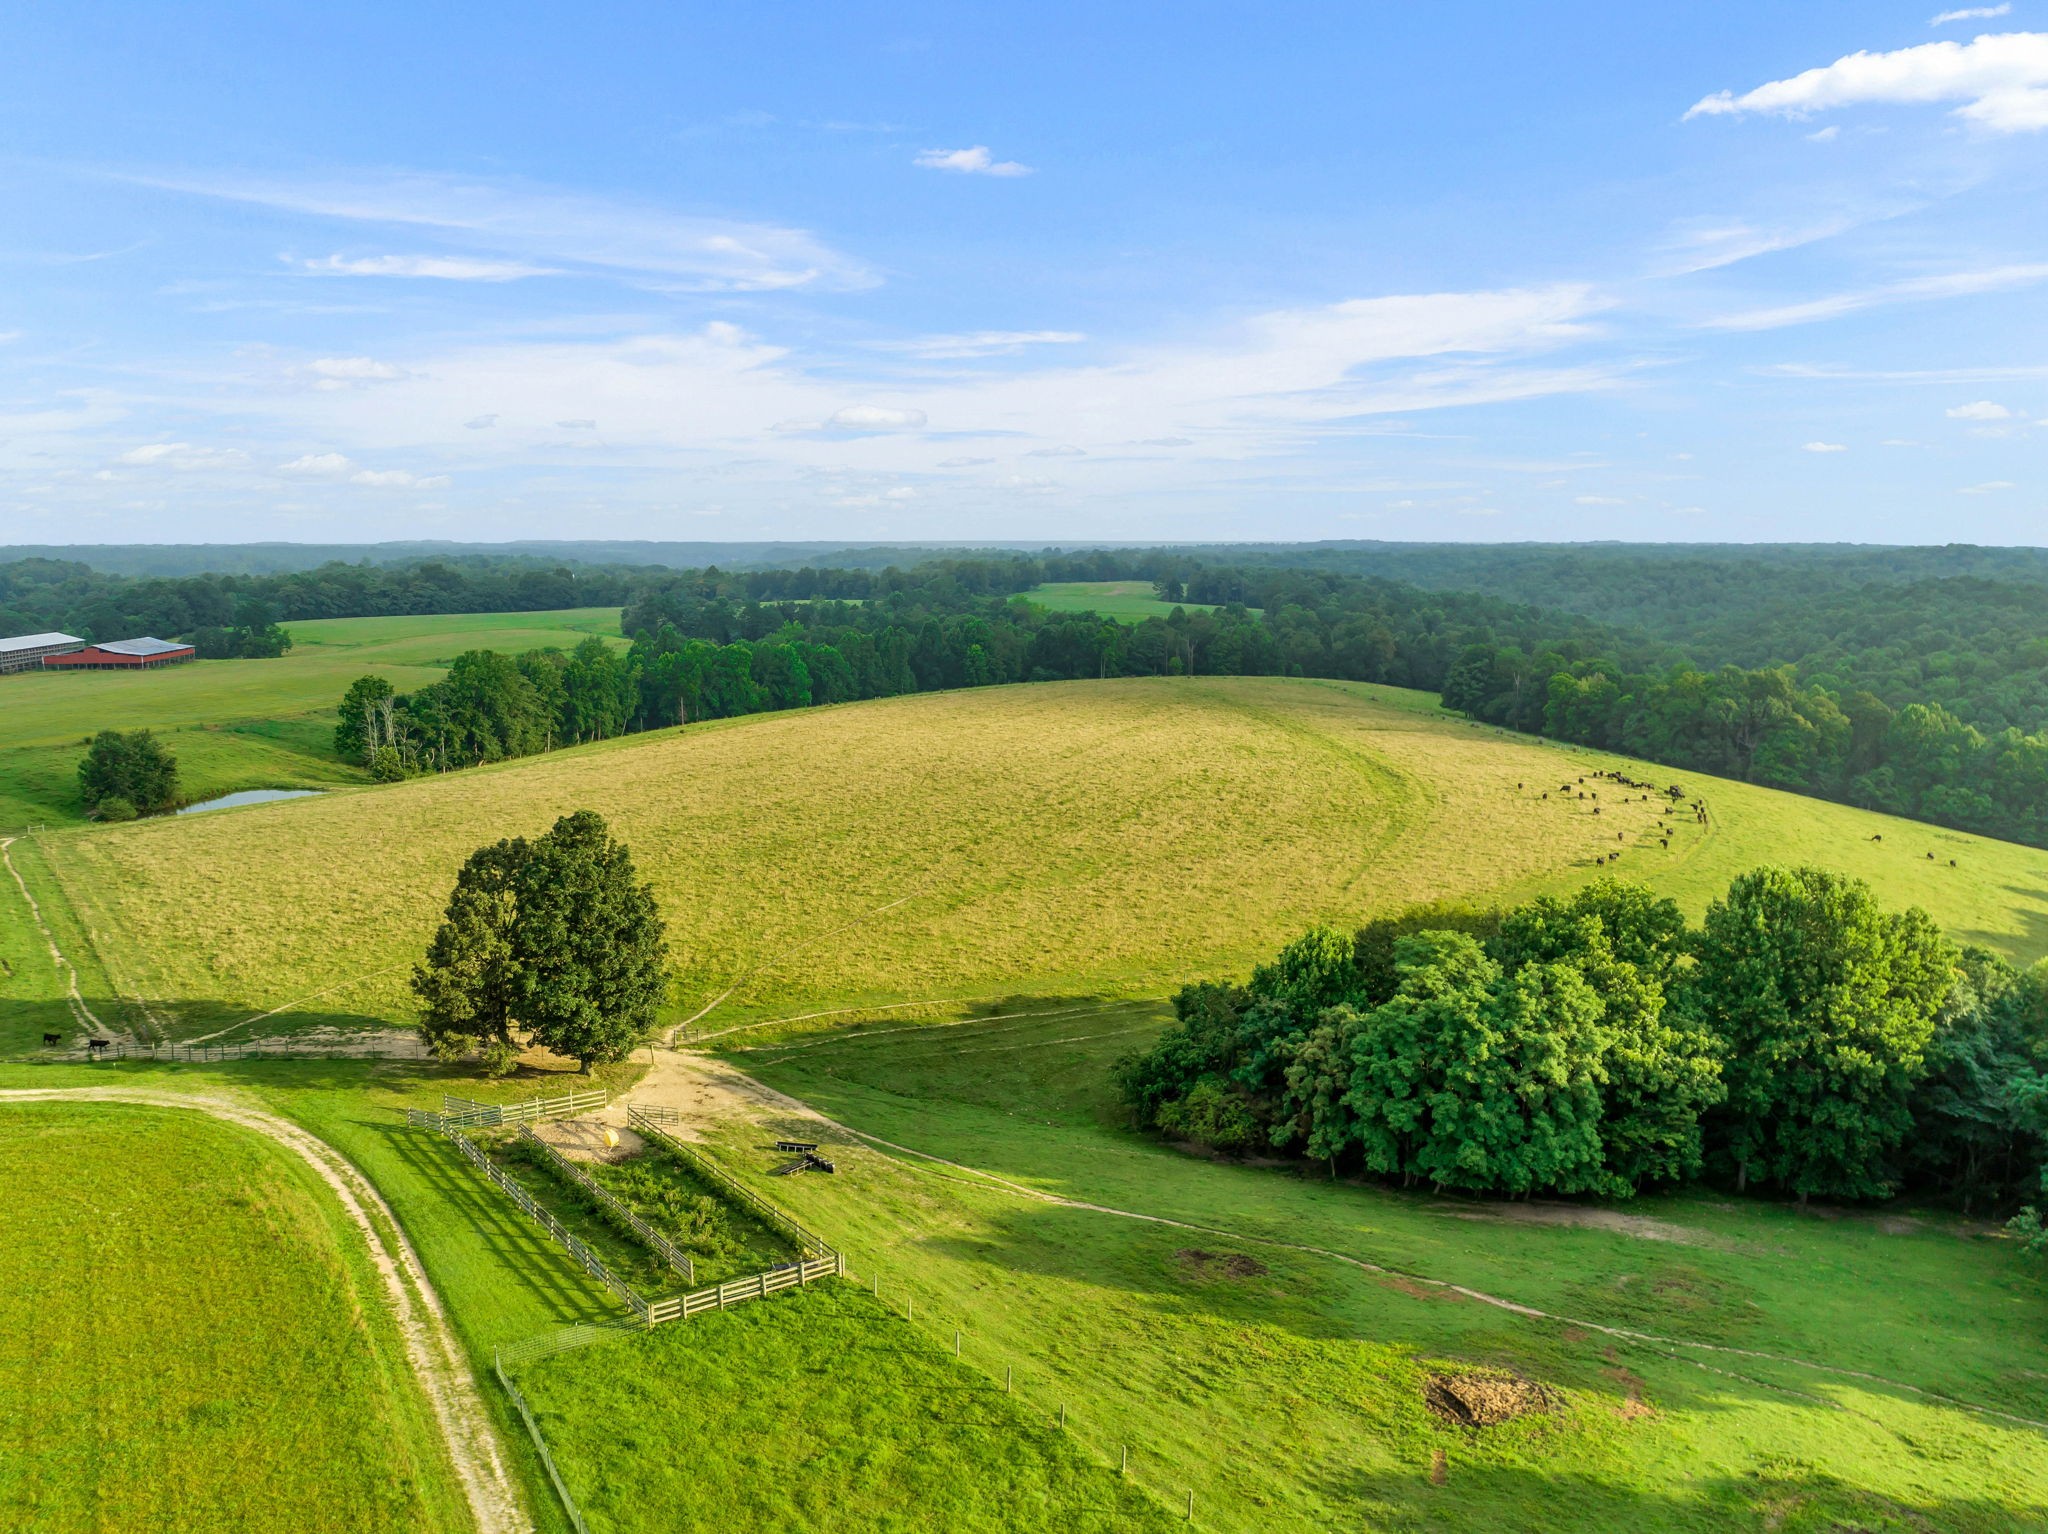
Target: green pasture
<point>818,1410</point>
<point>939,853</point>
<point>197,1340</point>
<point>237,724</point>
<point>1127,601</point>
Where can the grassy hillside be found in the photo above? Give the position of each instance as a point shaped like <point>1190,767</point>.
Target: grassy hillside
<point>198,1344</point>
<point>238,724</point>
<point>1052,840</point>
<point>1216,1316</point>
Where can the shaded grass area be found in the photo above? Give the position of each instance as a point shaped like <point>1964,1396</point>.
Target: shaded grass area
<point>948,850</point>
<point>197,1340</point>
<point>583,1217</point>
<point>237,724</point>
<point>817,1410</point>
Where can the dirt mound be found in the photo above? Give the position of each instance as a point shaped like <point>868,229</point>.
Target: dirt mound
<point>1484,1397</point>
<point>1202,1265</point>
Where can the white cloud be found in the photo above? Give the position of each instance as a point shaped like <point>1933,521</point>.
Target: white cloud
<point>976,161</point>
<point>2001,80</point>
<point>1164,442</point>
<point>481,422</point>
<point>1062,451</point>
<point>326,464</point>
<point>963,463</point>
<point>518,229</point>
<point>1706,244</point>
<point>1825,135</point>
<point>1598,500</point>
<point>448,268</point>
<point>9,337</point>
<point>981,343</point>
<point>874,418</point>
<point>1825,447</point>
<point>397,479</point>
<point>1981,410</point>
<point>1989,487</point>
<point>578,423</point>
<point>183,455</point>
<point>1971,13</point>
<point>349,372</point>
<point>1916,289</point>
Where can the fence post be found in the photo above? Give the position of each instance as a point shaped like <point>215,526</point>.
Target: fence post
<point>1125,1467</point>
<point>1191,1504</point>
<point>956,1342</point>
<point>1007,1368</point>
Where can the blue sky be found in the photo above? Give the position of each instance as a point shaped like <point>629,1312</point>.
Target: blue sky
<point>1449,271</point>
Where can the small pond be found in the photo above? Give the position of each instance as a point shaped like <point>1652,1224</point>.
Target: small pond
<point>248,796</point>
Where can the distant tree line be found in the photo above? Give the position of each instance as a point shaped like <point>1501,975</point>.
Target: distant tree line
<point>1801,1040</point>
<point>713,644</point>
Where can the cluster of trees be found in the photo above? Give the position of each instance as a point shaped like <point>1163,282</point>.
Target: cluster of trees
<point>1801,1040</point>
<point>123,775</point>
<point>489,707</point>
<point>552,942</point>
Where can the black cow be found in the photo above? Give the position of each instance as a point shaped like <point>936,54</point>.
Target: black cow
<point>52,1040</point>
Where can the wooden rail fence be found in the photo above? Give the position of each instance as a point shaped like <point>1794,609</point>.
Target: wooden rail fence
<point>653,1239</point>
<point>540,1445</point>
<point>656,1124</point>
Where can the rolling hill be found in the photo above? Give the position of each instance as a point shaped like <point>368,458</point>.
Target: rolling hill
<point>961,848</point>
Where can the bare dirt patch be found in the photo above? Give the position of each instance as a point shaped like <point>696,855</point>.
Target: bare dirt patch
<point>1202,1266</point>
<point>1633,1406</point>
<point>1484,1397</point>
<point>1584,1217</point>
<point>584,1140</point>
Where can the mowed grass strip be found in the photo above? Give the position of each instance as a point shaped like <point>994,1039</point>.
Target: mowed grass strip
<point>1286,1385</point>
<point>818,1410</point>
<point>195,1343</point>
<point>237,724</point>
<point>1050,840</point>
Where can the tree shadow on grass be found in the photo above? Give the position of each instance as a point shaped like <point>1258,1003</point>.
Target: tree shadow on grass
<point>502,1234</point>
<point>1463,1492</point>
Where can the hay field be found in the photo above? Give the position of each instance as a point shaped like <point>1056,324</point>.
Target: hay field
<point>238,724</point>
<point>1054,840</point>
<point>200,1342</point>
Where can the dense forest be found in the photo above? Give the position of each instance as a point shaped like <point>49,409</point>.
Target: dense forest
<point>1801,1040</point>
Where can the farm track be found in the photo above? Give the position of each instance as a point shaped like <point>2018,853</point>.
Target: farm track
<point>699,1083</point>
<point>84,1016</point>
<point>430,1345</point>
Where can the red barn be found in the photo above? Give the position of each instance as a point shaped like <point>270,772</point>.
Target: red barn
<point>122,655</point>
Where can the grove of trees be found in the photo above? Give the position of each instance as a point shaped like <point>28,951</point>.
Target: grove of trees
<point>1800,1040</point>
<point>123,775</point>
<point>553,942</point>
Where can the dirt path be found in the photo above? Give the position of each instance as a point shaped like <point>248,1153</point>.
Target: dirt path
<point>710,1090</point>
<point>436,1358</point>
<point>88,1021</point>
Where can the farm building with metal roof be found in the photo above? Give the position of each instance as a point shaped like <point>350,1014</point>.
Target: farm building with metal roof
<point>25,652</point>
<point>122,655</point>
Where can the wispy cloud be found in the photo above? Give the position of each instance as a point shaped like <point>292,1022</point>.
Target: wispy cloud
<point>1706,244</point>
<point>541,228</point>
<point>447,268</point>
<point>976,161</point>
<point>1980,410</point>
<point>1913,290</point>
<point>1825,447</point>
<point>1970,13</point>
<point>1989,487</point>
<point>981,343</point>
<point>2000,79</point>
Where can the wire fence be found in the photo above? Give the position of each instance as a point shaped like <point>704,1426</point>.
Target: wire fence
<point>208,1054</point>
<point>540,1445</point>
